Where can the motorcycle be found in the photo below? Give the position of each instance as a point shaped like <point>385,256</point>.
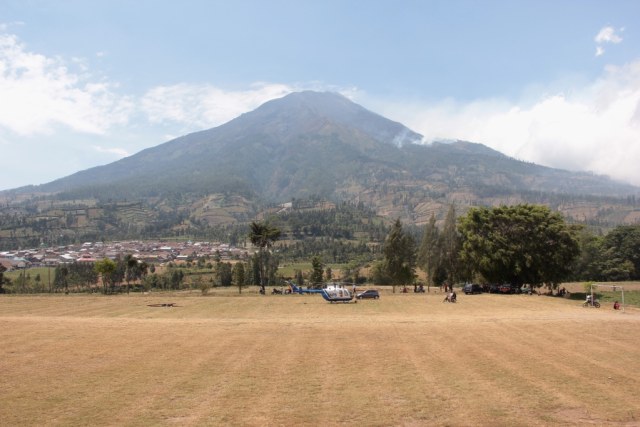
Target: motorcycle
<point>588,303</point>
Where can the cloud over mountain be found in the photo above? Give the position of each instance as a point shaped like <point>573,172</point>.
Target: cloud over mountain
<point>594,127</point>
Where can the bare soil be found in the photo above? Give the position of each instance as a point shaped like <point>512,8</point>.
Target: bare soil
<point>406,359</point>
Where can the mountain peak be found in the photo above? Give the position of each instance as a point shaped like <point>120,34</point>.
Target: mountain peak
<point>310,106</point>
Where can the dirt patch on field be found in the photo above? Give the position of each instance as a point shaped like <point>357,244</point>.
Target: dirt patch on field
<point>296,360</point>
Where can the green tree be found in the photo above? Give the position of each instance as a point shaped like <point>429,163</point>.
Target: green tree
<point>263,236</point>
<point>379,274</point>
<point>450,248</point>
<point>429,252</point>
<point>174,278</point>
<point>238,275</point>
<point>223,274</point>
<point>81,274</point>
<point>620,253</point>
<point>272,269</point>
<point>254,270</point>
<point>38,283</point>
<point>299,278</point>
<point>107,269</point>
<point>588,264</point>
<point>328,274</point>
<point>61,278</point>
<point>523,244</point>
<point>131,265</point>
<point>316,269</point>
<point>2,270</point>
<point>399,254</point>
<point>203,285</point>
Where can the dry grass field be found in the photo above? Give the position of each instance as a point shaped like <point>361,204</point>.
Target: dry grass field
<point>406,359</point>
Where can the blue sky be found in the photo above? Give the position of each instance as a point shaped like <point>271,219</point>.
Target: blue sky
<point>84,83</point>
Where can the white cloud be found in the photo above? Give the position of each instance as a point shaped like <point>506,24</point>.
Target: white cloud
<point>40,93</point>
<point>204,106</point>
<point>120,152</point>
<point>5,26</point>
<point>606,35</point>
<point>594,128</point>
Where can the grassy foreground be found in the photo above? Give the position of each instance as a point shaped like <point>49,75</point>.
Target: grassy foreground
<point>256,360</point>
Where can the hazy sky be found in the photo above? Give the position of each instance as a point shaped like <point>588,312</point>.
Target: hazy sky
<point>86,82</point>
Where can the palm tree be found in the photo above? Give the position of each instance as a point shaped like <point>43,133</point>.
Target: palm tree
<point>263,236</point>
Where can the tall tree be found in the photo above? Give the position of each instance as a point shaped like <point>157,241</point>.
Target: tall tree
<point>328,274</point>
<point>223,273</point>
<point>399,253</point>
<point>450,247</point>
<point>238,275</point>
<point>299,278</point>
<point>429,252</point>
<point>2,270</point>
<point>131,267</point>
<point>263,236</point>
<point>254,270</point>
<point>523,244</point>
<point>621,252</point>
<point>316,269</point>
<point>61,278</point>
<point>379,274</point>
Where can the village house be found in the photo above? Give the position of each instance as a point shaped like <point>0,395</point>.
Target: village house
<point>151,252</point>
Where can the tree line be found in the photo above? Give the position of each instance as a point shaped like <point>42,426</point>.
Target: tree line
<point>517,245</point>
<point>522,244</point>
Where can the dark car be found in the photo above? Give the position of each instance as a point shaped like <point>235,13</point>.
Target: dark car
<point>369,293</point>
<point>508,289</point>
<point>472,288</point>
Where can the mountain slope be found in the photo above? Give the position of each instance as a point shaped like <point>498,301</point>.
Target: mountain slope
<point>255,150</point>
<point>311,144</point>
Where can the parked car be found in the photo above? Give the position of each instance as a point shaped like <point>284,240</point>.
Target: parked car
<point>508,289</point>
<point>369,293</point>
<point>528,290</point>
<point>472,288</point>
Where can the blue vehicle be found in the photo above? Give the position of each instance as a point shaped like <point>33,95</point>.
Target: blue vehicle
<point>333,292</point>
